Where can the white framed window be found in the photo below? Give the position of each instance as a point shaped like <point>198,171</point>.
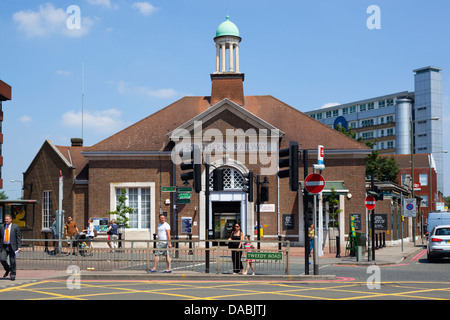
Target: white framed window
<point>424,202</point>
<point>423,179</point>
<point>46,209</point>
<point>141,198</point>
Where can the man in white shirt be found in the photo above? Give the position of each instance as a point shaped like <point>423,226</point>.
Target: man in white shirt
<point>163,243</point>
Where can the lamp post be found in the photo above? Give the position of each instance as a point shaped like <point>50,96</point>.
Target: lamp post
<point>412,167</point>
<point>21,187</point>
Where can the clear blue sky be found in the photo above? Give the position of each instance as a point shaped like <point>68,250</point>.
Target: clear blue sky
<point>140,56</point>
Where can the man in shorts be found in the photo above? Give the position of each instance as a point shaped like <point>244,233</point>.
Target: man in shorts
<point>162,244</point>
<point>70,230</point>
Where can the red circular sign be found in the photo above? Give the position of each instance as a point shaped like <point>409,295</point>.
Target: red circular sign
<point>314,183</point>
<point>370,202</point>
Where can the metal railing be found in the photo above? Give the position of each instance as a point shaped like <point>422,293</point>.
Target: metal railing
<point>185,256</point>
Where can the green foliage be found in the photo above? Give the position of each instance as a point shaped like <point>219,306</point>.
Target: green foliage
<point>383,168</point>
<point>3,195</point>
<point>333,204</point>
<point>122,211</point>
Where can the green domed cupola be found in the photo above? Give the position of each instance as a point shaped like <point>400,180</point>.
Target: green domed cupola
<point>227,28</point>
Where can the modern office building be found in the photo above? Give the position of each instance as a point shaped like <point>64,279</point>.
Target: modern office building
<point>387,120</point>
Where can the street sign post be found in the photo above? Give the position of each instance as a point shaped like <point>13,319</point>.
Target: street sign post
<point>314,183</point>
<point>409,207</point>
<point>370,202</point>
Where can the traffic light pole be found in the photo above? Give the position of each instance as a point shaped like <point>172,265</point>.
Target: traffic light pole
<point>305,211</point>
<point>258,210</point>
<point>207,214</point>
<point>372,219</point>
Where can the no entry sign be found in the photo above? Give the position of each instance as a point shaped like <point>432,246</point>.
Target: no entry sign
<point>370,202</point>
<point>314,183</point>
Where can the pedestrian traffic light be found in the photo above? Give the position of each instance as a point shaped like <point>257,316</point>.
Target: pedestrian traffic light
<point>289,158</point>
<point>194,163</point>
<point>218,179</point>
<point>248,185</point>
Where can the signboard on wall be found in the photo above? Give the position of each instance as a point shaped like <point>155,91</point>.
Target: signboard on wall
<point>381,221</point>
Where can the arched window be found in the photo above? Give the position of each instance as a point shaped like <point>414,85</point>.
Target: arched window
<point>232,179</point>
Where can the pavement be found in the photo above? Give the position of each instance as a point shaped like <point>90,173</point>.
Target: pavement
<point>384,256</point>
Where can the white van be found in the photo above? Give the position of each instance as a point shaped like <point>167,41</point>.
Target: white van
<point>437,219</point>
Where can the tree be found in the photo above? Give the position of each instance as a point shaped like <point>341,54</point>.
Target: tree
<point>122,211</point>
<point>382,168</point>
<point>3,195</point>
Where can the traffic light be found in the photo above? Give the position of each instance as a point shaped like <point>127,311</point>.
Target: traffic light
<point>264,194</point>
<point>291,162</point>
<point>218,179</point>
<point>248,185</point>
<point>376,193</point>
<point>196,166</point>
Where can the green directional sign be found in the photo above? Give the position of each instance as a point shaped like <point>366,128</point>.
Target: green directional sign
<point>168,189</point>
<point>183,201</point>
<point>184,189</point>
<point>265,255</point>
<point>184,196</point>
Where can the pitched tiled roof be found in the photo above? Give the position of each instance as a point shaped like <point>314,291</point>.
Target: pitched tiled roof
<point>76,159</point>
<point>150,134</point>
<point>404,160</point>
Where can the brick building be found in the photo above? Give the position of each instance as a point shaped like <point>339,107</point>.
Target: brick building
<point>240,132</point>
<point>41,182</point>
<point>5,94</point>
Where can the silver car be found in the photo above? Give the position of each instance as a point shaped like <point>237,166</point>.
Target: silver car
<point>439,243</point>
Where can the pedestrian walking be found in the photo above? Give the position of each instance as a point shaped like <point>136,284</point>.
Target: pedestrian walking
<point>247,248</point>
<point>162,244</point>
<point>54,232</point>
<point>90,233</point>
<point>311,238</point>
<point>70,231</point>
<point>235,243</point>
<point>112,233</point>
<point>11,245</point>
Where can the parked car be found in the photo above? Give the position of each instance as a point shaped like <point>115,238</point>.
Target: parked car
<point>439,243</point>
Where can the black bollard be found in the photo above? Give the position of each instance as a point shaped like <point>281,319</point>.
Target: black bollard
<point>377,246</point>
<point>338,247</point>
<point>190,244</point>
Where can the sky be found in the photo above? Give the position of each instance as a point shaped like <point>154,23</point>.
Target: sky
<point>120,61</point>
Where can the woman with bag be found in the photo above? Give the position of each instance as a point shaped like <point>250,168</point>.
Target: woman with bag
<point>235,243</point>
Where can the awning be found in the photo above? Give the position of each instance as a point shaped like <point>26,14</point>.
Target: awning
<point>338,187</point>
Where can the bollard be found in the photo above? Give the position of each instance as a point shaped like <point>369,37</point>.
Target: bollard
<point>376,241</point>
<point>279,243</point>
<point>338,247</point>
<point>384,240</point>
<point>358,253</point>
<point>154,242</point>
<point>190,244</point>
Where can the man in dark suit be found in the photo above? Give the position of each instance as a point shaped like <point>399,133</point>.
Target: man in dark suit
<point>10,245</point>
